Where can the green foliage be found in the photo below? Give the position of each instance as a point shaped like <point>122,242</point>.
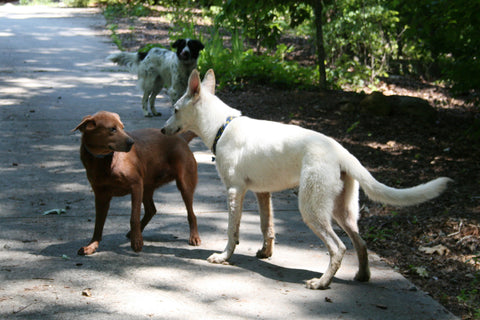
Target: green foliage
<point>113,28</point>
<point>378,234</point>
<point>353,126</point>
<point>471,296</point>
<point>260,21</point>
<point>364,39</point>
<point>242,22</point>
<point>449,39</point>
<point>79,3</point>
<point>37,3</point>
<point>129,9</point>
<point>149,46</point>
<point>234,66</point>
<point>359,40</point>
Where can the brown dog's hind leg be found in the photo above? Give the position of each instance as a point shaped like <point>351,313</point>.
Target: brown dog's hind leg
<point>102,204</point>
<point>136,239</point>
<point>266,221</point>
<point>186,183</point>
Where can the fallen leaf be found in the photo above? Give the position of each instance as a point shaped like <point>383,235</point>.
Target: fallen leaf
<point>54,211</point>
<point>438,249</point>
<point>87,292</point>
<point>421,271</point>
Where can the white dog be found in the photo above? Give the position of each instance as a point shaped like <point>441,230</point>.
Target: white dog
<point>265,156</point>
<point>161,68</point>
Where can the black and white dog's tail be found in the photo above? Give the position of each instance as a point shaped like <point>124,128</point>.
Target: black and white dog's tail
<point>129,59</point>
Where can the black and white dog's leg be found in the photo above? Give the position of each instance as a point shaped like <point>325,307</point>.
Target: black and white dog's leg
<point>157,87</point>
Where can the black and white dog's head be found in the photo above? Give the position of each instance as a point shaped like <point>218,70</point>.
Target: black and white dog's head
<point>188,49</point>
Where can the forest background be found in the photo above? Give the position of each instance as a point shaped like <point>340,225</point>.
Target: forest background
<point>355,41</point>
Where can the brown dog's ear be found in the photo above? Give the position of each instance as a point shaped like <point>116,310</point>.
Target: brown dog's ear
<point>87,123</point>
<point>194,83</point>
<point>209,81</point>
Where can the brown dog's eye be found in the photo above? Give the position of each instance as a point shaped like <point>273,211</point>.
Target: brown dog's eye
<point>113,130</point>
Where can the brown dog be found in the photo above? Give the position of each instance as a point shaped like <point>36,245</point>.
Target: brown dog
<point>120,163</point>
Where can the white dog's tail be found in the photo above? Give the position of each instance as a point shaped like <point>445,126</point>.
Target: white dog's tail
<point>129,59</point>
<point>381,193</point>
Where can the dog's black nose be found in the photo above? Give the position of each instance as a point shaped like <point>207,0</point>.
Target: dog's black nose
<point>163,130</point>
<point>130,143</point>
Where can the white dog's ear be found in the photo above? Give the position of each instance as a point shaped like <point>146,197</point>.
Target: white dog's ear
<point>209,81</point>
<point>194,83</point>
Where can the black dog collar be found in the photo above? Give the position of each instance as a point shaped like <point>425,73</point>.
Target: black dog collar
<point>98,156</point>
<point>220,132</point>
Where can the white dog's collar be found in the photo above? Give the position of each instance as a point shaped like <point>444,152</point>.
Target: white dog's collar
<point>220,132</point>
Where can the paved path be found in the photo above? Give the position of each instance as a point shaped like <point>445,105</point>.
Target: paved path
<point>52,73</point>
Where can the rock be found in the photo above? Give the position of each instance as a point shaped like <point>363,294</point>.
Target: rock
<point>346,106</point>
<point>375,104</point>
<point>379,105</point>
<point>413,106</point>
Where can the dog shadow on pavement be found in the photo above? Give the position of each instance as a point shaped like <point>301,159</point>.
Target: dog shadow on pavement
<point>167,250</point>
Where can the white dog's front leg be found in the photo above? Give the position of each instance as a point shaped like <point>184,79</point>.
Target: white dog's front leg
<point>235,204</point>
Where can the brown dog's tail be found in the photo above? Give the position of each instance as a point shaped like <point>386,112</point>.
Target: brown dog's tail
<point>187,136</point>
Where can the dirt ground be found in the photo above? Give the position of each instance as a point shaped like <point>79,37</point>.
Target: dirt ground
<point>400,151</point>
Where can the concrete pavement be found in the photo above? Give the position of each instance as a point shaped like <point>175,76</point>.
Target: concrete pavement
<point>52,73</point>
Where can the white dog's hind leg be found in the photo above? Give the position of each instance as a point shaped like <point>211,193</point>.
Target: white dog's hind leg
<point>266,221</point>
<point>235,204</point>
<point>336,250</point>
<point>317,195</point>
<point>346,215</point>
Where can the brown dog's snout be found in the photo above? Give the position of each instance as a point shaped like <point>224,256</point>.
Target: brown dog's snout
<point>163,130</point>
<point>129,143</point>
<point>122,143</point>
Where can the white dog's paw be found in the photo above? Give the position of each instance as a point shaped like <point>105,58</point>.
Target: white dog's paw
<point>317,284</point>
<point>217,258</point>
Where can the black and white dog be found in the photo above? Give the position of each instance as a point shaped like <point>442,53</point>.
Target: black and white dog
<point>161,68</point>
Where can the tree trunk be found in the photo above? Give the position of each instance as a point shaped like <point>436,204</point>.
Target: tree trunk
<point>317,10</point>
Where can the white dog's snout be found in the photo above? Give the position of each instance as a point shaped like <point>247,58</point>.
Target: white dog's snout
<point>170,128</point>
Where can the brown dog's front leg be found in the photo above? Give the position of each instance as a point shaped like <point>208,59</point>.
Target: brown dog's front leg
<point>102,204</point>
<point>149,207</point>
<point>136,239</point>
